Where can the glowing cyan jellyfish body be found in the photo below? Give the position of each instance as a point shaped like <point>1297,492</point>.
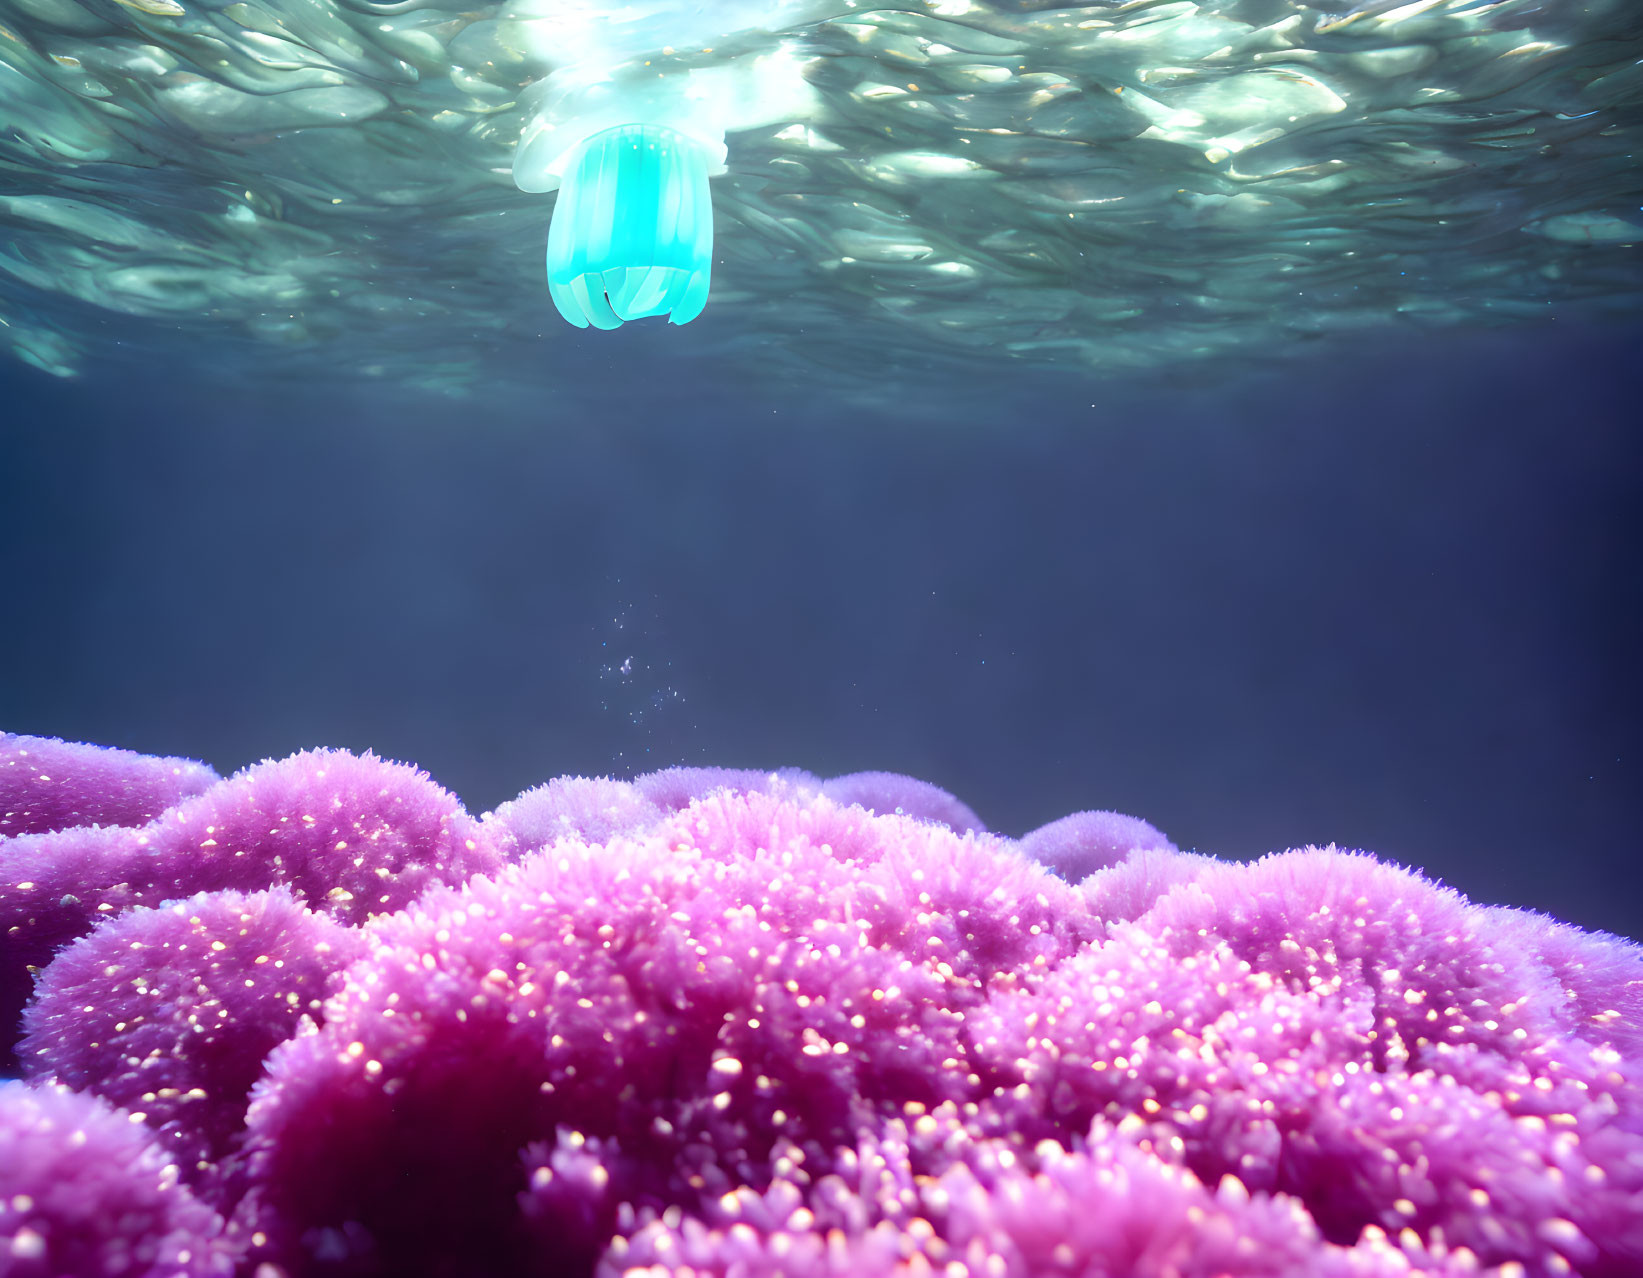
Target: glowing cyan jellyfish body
<point>632,229</point>
<point>632,233</point>
<point>629,127</point>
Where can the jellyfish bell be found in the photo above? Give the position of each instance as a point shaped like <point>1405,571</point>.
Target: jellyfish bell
<point>633,235</point>
<point>632,229</point>
<point>629,144</point>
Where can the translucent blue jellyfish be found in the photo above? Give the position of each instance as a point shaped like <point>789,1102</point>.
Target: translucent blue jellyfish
<point>632,229</point>
<point>632,233</point>
<point>630,143</point>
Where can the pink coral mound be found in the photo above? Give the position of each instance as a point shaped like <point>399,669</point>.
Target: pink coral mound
<point>888,792</point>
<point>53,888</point>
<point>747,969</point>
<point>85,1193</point>
<point>676,788</point>
<point>729,1023</point>
<point>588,808</point>
<point>1077,846</point>
<point>1343,1032</point>
<point>351,835</point>
<point>46,784</point>
<point>169,1012</point>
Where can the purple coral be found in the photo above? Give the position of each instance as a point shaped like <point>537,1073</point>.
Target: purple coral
<point>733,1023</point>
<point>888,792</point>
<point>588,808</point>
<point>1076,846</point>
<point>46,784</point>
<point>1110,1207</point>
<point>352,835</point>
<point>754,966</point>
<point>676,788</point>
<point>1341,1031</point>
<point>86,1193</point>
<point>169,1012</point>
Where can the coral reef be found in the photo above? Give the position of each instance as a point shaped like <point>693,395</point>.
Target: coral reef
<point>315,1019</point>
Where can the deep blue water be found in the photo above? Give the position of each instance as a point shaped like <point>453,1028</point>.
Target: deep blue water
<point>1393,602</point>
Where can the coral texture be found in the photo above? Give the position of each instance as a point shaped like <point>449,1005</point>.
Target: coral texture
<point>351,835</point>
<point>169,1012</point>
<point>739,1023</point>
<point>52,785</point>
<point>85,1193</point>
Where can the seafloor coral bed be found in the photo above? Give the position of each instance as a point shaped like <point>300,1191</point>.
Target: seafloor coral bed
<point>316,1019</point>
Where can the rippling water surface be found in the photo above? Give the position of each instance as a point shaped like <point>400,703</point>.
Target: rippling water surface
<point>270,187</point>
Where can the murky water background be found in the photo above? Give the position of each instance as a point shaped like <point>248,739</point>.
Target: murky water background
<point>1394,602</point>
